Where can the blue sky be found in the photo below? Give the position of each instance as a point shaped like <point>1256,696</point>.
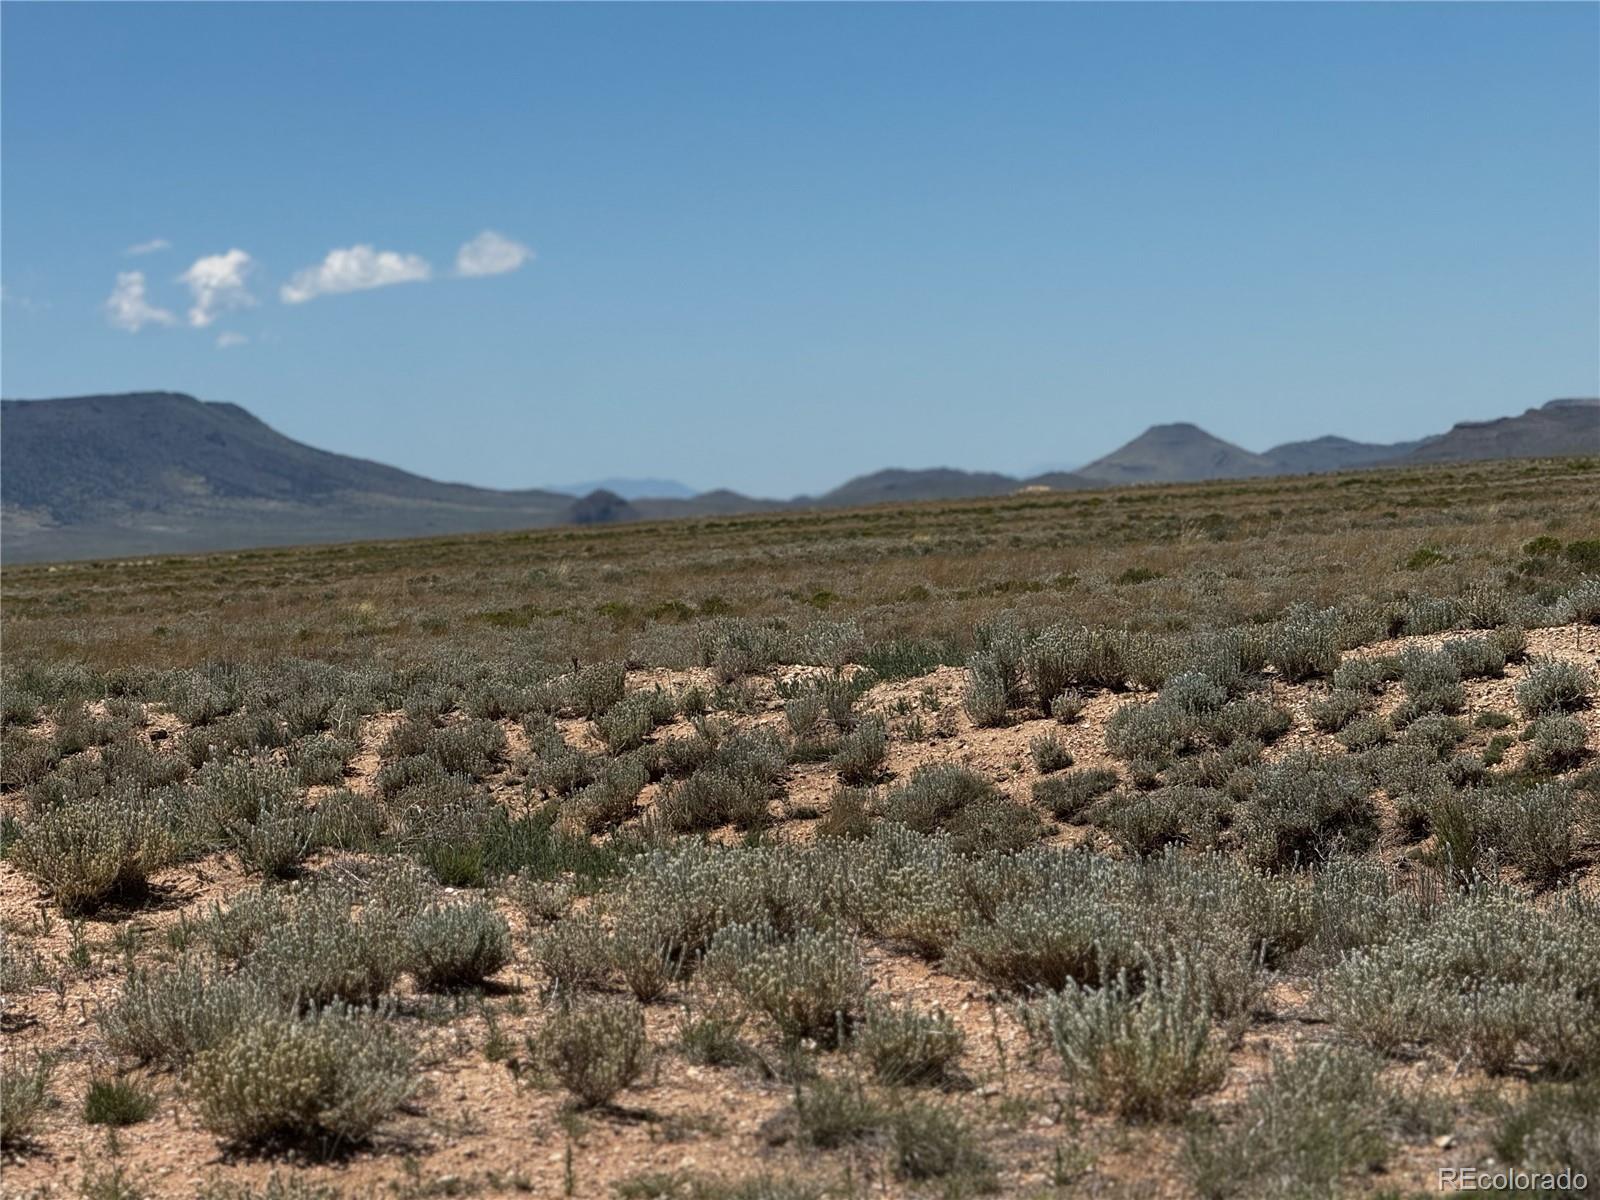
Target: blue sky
<point>770,247</point>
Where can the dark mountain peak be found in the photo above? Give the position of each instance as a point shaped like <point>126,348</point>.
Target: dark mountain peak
<point>601,507</point>
<point>1174,453</point>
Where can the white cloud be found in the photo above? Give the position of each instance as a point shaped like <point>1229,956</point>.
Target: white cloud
<point>150,247</point>
<point>354,270</point>
<point>217,283</point>
<point>229,339</point>
<point>127,307</point>
<point>491,253</point>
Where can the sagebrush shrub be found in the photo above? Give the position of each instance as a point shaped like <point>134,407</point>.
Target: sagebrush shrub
<point>932,1141</point>
<point>1337,710</point>
<point>1428,670</point>
<point>835,1112</point>
<point>1049,940</point>
<point>1489,976</point>
<point>1553,1130</point>
<point>347,820</point>
<point>86,851</point>
<point>1555,743</point>
<point>169,1016</point>
<point>573,953</point>
<point>859,757</point>
<point>1363,733</point>
<point>803,713</point>
<point>1366,674</point>
<point>1144,823</point>
<point>332,1076</point>
<point>712,797</point>
<point>992,685</point>
<point>1313,1120</point>
<point>322,759</point>
<point>1535,830</point>
<point>626,724</point>
<point>557,768</point>
<point>1069,796</point>
<point>414,773</point>
<point>25,759</point>
<point>1305,644</point>
<point>595,1048</point>
<point>811,985</point>
<point>24,1096</point>
<point>322,951</point>
<point>1582,603</point>
<point>734,647</point>
<point>1436,734</point>
<point>905,1045</point>
<point>1304,808</point>
<point>1553,686</point>
<point>1068,706</point>
<point>456,945</point>
<point>1145,1055</point>
<point>849,814</point>
<point>644,952</point>
<point>1049,753</point>
<point>711,1037</point>
<point>935,794</point>
<point>1477,657</point>
<point>610,799</point>
<point>591,690</point>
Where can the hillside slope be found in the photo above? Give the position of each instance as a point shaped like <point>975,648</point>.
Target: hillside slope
<point>1559,427</point>
<point>157,472</point>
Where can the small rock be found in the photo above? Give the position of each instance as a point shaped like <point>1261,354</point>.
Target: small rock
<point>1445,1140</point>
<point>989,1089</point>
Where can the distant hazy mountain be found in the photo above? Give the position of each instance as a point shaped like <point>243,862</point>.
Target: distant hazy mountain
<point>158,472</point>
<point>1559,427</point>
<point>1333,454</point>
<point>629,489</point>
<point>938,483</point>
<point>718,503</point>
<point>1175,454</point>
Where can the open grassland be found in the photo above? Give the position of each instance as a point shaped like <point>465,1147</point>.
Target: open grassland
<point>1215,840</point>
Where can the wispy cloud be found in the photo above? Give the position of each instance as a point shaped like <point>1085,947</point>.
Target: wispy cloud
<point>217,283</point>
<point>229,339</point>
<point>26,303</point>
<point>356,269</point>
<point>127,307</point>
<point>151,247</point>
<point>491,253</point>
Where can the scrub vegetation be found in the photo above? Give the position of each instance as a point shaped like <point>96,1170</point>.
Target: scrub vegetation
<point>1198,841</point>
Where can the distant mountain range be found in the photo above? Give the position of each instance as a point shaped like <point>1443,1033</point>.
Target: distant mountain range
<point>160,472</point>
<point>628,489</point>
